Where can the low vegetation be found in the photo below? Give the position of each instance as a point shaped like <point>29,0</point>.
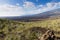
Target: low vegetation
<point>15,30</point>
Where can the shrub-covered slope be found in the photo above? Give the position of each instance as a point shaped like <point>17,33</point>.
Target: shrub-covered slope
<point>14,30</point>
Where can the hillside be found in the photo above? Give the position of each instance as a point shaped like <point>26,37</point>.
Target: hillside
<point>49,14</point>
<point>30,27</point>
<point>14,30</point>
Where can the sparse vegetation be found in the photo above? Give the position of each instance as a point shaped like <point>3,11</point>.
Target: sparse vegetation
<point>14,30</point>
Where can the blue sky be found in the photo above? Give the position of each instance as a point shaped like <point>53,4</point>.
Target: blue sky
<point>26,7</point>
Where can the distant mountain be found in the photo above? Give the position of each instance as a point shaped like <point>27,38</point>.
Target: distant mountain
<point>53,14</point>
<point>49,14</point>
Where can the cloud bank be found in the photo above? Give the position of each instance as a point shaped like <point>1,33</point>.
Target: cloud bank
<point>28,8</point>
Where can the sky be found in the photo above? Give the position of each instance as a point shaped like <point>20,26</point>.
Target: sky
<point>26,7</point>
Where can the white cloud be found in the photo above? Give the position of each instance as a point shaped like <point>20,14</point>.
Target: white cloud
<point>27,9</point>
<point>28,5</point>
<point>10,10</point>
<point>47,7</point>
<point>17,4</point>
